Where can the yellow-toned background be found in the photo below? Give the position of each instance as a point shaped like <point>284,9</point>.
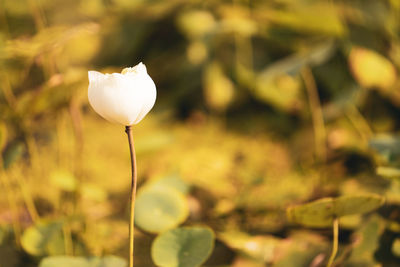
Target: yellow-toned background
<point>261,104</point>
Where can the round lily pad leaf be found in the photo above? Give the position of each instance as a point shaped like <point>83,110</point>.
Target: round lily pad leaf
<point>173,181</point>
<point>45,238</point>
<point>322,212</point>
<point>183,247</point>
<point>68,261</point>
<point>159,209</point>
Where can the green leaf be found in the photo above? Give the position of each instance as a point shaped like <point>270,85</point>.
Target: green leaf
<point>160,208</point>
<point>317,213</point>
<point>387,146</point>
<point>45,238</point>
<point>183,247</point>
<point>172,181</point>
<point>300,249</point>
<point>13,153</point>
<point>68,261</point>
<point>349,205</point>
<point>322,212</point>
<point>367,242</point>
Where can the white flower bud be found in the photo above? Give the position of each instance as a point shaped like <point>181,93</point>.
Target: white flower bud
<point>124,97</point>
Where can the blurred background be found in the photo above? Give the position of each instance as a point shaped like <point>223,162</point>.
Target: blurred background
<point>261,105</point>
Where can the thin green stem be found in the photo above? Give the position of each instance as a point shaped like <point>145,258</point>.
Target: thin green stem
<point>316,113</point>
<point>335,242</point>
<point>359,123</point>
<point>128,131</point>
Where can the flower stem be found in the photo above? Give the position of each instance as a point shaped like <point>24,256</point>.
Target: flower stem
<point>128,130</point>
<point>335,241</point>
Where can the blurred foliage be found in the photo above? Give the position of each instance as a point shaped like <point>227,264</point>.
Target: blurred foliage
<point>262,106</point>
<point>186,246</point>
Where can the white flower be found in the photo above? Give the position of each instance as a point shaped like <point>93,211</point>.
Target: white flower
<point>124,97</point>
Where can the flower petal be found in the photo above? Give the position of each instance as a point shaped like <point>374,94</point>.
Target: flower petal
<point>122,97</point>
<point>95,76</point>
